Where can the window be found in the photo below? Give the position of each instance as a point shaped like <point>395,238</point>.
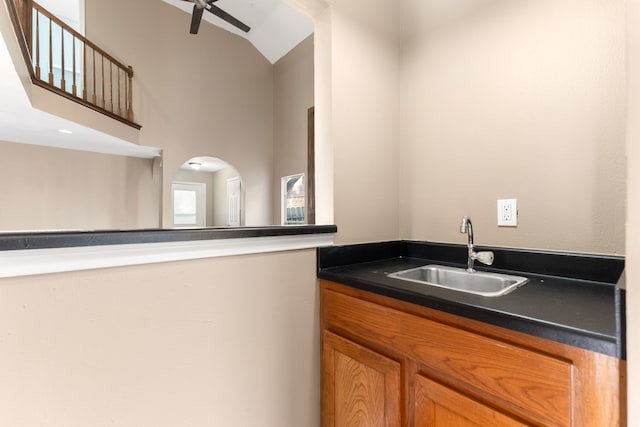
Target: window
<point>293,199</point>
<point>188,204</point>
<point>71,12</point>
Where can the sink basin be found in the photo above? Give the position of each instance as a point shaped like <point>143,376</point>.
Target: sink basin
<point>458,279</point>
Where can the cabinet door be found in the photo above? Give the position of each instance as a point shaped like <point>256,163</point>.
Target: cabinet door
<point>440,406</point>
<point>360,388</point>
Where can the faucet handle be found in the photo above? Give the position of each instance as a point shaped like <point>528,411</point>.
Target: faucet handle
<point>484,257</point>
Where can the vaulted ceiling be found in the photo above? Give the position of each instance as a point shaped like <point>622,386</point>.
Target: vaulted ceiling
<point>276,28</point>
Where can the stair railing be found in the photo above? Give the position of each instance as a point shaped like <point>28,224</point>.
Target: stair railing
<point>64,61</point>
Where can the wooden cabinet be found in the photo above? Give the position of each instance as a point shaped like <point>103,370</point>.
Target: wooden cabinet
<point>362,386</point>
<point>391,363</point>
<point>438,405</point>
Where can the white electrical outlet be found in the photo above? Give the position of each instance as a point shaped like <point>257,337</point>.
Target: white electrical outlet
<point>507,213</point>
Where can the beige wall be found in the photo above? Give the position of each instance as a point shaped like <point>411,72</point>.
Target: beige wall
<point>364,119</point>
<point>177,343</point>
<point>52,188</point>
<point>473,112</point>
<point>199,343</point>
<point>209,94</point>
<point>323,117</point>
<point>518,100</point>
<point>205,95</point>
<point>293,96</point>
<point>633,211</point>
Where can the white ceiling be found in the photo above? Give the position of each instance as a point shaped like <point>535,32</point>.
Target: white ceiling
<point>207,164</point>
<point>276,28</point>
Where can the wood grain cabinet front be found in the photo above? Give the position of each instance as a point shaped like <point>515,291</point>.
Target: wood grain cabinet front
<point>390,363</point>
<point>362,386</point>
<point>440,406</point>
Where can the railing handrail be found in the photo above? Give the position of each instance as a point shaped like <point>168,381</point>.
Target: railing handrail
<point>25,16</point>
<point>79,36</point>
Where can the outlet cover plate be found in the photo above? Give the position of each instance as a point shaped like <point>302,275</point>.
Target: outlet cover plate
<point>507,213</point>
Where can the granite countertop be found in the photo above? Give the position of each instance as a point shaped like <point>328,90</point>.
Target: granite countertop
<point>10,241</point>
<point>570,298</point>
<point>45,252</point>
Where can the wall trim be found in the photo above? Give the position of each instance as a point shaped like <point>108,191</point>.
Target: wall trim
<point>16,263</point>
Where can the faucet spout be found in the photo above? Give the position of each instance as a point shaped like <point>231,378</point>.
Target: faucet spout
<point>467,227</point>
<point>483,257</point>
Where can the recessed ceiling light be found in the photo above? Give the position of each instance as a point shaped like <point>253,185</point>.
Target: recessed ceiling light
<point>195,165</point>
<point>65,131</point>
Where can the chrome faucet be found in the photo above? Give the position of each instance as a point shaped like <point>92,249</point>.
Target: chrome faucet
<point>483,257</point>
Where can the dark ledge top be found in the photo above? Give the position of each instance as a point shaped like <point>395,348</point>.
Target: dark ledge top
<point>64,239</point>
<point>570,298</point>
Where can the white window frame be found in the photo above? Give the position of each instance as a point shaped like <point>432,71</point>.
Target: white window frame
<point>283,200</point>
<point>200,189</point>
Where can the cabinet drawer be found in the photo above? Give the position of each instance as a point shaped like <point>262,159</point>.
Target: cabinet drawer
<point>528,382</point>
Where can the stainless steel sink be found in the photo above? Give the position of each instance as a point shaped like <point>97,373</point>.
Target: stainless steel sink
<point>458,279</point>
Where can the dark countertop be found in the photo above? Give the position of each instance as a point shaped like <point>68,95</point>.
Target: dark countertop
<point>570,298</point>
<point>64,239</point>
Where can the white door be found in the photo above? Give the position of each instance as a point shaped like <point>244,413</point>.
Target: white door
<point>234,188</point>
<point>189,204</point>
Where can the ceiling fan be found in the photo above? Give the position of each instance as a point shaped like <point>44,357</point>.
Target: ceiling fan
<point>199,8</point>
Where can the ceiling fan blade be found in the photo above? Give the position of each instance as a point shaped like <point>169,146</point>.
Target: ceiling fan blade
<point>225,16</point>
<point>196,17</point>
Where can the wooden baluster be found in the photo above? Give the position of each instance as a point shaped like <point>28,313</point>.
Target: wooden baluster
<point>38,45</point>
<point>62,71</point>
<point>102,78</point>
<point>111,84</point>
<point>27,16</point>
<point>127,89</point>
<point>84,71</point>
<point>74,87</point>
<point>19,9</point>
<point>119,93</point>
<point>94,100</point>
<point>130,95</point>
<point>50,52</point>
